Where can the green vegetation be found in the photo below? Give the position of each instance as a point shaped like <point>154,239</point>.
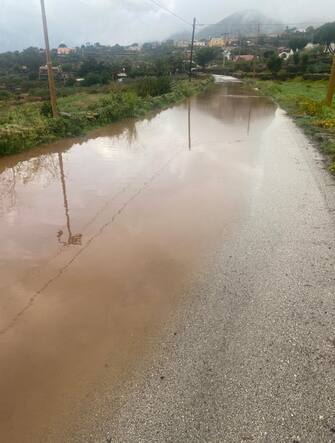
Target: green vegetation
<point>274,64</point>
<point>30,124</point>
<point>325,34</point>
<point>151,86</point>
<point>205,55</point>
<point>304,100</point>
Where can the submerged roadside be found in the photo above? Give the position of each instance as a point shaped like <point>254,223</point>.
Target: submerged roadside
<point>304,101</point>
<point>30,127</point>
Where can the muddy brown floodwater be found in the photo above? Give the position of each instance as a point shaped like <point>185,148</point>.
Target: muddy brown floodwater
<point>100,236</point>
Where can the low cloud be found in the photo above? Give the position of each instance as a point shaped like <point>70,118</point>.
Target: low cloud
<point>125,21</point>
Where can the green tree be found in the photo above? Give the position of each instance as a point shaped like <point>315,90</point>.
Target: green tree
<point>93,78</point>
<point>304,62</point>
<point>296,58</point>
<point>205,55</point>
<point>274,64</point>
<point>325,35</point>
<point>297,43</point>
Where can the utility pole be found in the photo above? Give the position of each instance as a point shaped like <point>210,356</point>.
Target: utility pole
<point>52,87</point>
<point>256,46</point>
<point>331,85</point>
<point>192,46</point>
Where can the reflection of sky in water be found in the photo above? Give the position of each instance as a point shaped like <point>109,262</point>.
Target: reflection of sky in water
<point>126,154</point>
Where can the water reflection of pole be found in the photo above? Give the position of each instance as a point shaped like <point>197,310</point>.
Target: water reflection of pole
<point>189,124</point>
<point>249,119</point>
<point>72,239</point>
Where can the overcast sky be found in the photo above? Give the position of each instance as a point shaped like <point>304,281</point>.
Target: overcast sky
<point>126,21</point>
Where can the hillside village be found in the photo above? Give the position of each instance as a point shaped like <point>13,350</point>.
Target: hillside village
<point>135,77</point>
<point>239,45</point>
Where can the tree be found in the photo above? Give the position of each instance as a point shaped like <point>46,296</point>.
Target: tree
<point>274,64</point>
<point>297,43</point>
<point>92,78</point>
<point>325,35</point>
<point>304,62</point>
<point>205,55</point>
<point>296,58</point>
<point>269,53</point>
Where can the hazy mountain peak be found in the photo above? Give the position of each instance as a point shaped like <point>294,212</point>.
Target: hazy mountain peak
<point>243,22</point>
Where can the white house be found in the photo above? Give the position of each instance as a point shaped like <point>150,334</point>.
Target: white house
<point>200,43</point>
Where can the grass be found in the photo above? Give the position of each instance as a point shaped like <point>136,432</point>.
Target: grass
<point>304,100</point>
<point>82,101</point>
<point>25,126</point>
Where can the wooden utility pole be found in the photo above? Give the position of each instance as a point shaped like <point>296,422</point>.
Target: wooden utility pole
<point>257,43</point>
<point>331,85</point>
<point>52,87</point>
<point>192,46</point>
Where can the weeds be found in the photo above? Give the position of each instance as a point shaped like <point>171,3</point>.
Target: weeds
<point>29,125</point>
<point>304,100</point>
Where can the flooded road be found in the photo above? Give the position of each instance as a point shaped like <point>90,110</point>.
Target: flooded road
<point>100,238</point>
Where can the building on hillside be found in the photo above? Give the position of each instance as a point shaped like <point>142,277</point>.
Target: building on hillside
<point>200,43</point>
<point>217,42</point>
<point>227,54</point>
<point>311,46</point>
<point>182,44</point>
<point>169,43</point>
<point>121,75</point>
<point>151,45</point>
<point>57,70</point>
<point>64,51</point>
<point>285,53</point>
<point>244,58</point>
<point>135,47</point>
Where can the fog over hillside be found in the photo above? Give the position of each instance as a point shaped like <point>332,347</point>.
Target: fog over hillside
<point>127,21</point>
<point>247,22</point>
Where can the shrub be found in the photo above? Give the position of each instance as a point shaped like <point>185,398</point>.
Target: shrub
<point>46,109</point>
<point>15,138</point>
<point>327,123</point>
<point>4,95</point>
<point>151,86</point>
<point>92,78</point>
<point>66,126</point>
<point>29,125</point>
<point>310,107</point>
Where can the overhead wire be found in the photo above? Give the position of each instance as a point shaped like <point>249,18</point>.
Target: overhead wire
<point>267,24</point>
<point>170,12</point>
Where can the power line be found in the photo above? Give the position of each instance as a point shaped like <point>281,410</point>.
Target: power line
<point>170,12</point>
<point>268,24</point>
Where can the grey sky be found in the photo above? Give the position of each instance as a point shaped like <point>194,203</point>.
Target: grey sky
<point>126,21</point>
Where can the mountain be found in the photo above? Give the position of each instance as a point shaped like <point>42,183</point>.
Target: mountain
<point>182,35</point>
<point>242,23</point>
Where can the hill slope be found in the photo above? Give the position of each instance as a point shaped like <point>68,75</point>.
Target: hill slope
<point>244,23</point>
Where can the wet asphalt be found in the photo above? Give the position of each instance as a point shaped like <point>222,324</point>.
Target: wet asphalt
<point>249,356</point>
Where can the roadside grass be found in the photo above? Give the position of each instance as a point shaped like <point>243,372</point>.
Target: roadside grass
<point>82,101</point>
<point>26,125</point>
<point>304,100</point>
